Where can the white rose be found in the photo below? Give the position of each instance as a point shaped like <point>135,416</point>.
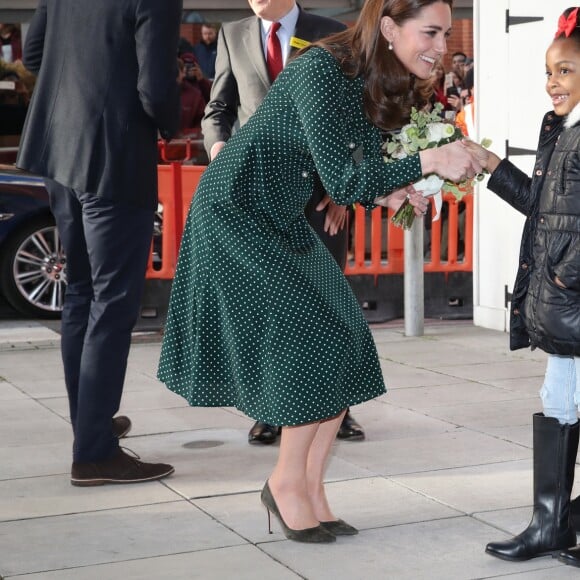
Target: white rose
<point>438,131</point>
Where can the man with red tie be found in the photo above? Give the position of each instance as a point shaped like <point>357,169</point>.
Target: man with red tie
<point>250,54</point>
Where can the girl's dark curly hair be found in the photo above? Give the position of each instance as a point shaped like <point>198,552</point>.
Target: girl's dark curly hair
<point>390,90</point>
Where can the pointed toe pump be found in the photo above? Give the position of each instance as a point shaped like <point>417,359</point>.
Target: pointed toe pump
<point>315,535</point>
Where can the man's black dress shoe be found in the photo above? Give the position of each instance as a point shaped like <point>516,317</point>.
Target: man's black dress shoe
<point>350,429</point>
<point>263,433</point>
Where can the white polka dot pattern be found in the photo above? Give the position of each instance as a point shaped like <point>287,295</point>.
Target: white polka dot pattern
<point>261,317</point>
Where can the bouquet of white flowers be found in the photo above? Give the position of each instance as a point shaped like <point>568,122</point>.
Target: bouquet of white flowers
<point>425,131</point>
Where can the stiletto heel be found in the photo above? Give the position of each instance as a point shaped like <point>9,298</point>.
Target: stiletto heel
<point>269,524</point>
<point>317,535</point>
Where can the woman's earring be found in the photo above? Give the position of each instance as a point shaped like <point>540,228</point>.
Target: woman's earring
<point>390,45</point>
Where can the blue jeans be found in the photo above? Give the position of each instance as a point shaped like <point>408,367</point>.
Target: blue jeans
<point>561,390</point>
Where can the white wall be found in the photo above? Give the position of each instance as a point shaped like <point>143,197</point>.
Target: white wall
<point>510,103</point>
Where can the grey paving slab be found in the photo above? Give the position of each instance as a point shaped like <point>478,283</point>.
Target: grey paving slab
<point>364,503</point>
<point>510,413</point>
<point>38,497</point>
<point>484,371</point>
<point>238,562</point>
<point>502,485</point>
<point>398,375</point>
<point>20,461</point>
<point>561,572</point>
<point>446,468</point>
<point>28,423</point>
<point>68,541</point>
<point>527,385</point>
<point>425,398</point>
<point>151,421</point>
<point>427,454</point>
<point>383,421</point>
<point>450,549</point>
<point>9,392</point>
<point>219,461</point>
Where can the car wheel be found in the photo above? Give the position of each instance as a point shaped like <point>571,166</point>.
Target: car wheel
<point>33,270</point>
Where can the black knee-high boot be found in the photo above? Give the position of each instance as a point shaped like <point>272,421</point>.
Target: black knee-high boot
<point>555,448</point>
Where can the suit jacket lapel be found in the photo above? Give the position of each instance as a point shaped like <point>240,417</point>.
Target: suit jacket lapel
<point>252,41</point>
<point>303,30</point>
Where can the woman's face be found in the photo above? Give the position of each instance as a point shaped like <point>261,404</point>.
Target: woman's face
<point>563,75</point>
<point>420,42</point>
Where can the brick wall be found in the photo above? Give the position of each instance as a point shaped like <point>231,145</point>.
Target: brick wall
<point>461,40</point>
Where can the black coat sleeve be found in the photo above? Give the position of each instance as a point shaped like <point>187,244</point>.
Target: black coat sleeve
<point>156,39</point>
<point>34,45</point>
<point>512,185</point>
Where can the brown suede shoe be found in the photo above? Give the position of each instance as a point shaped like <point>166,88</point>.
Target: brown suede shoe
<point>121,468</point>
<point>121,426</point>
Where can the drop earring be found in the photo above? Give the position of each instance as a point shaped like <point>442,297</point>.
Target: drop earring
<point>390,45</point>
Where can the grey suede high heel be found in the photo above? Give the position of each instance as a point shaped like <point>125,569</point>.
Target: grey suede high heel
<point>339,528</point>
<point>316,535</point>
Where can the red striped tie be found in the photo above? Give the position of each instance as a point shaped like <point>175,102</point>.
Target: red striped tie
<point>274,60</point>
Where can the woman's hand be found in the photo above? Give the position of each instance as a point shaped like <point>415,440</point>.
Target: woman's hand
<point>454,161</point>
<point>397,197</point>
<point>335,215</point>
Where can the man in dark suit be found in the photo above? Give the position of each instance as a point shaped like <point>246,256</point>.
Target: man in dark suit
<point>91,131</point>
<point>242,79</point>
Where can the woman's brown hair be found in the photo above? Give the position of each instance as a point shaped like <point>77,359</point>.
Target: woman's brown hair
<point>390,90</point>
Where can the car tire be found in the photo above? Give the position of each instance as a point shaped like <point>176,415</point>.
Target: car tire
<point>33,269</point>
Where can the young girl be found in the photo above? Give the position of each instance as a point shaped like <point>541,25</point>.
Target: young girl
<point>545,309</point>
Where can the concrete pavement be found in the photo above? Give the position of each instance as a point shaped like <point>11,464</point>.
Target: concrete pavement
<point>446,468</point>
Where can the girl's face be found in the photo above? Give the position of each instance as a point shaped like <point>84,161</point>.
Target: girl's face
<point>563,75</point>
<point>420,42</point>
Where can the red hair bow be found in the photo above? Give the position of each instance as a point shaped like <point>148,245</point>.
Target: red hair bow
<point>567,25</point>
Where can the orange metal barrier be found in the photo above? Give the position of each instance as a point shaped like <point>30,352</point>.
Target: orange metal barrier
<point>376,246</point>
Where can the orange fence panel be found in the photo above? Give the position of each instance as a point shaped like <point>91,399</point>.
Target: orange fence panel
<point>376,245</point>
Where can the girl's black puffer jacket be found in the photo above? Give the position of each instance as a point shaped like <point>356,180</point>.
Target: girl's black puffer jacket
<point>543,314</point>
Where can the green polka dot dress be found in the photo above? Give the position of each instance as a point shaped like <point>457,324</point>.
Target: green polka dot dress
<point>261,318</point>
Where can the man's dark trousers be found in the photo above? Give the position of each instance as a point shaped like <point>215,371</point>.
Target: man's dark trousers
<point>102,302</point>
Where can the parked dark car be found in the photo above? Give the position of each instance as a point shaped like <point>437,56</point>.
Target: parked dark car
<point>32,261</point>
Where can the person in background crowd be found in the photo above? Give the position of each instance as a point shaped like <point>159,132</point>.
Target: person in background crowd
<point>100,171</point>
<point>545,306</point>
<point>457,65</point>
<point>206,50</point>
<point>261,316</point>
<point>241,83</point>
<point>439,95</point>
<point>192,103</point>
<point>10,42</point>
<point>194,75</point>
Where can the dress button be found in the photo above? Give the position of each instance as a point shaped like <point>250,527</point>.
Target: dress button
<point>516,311</point>
<point>305,174</point>
<point>524,266</point>
<point>547,127</point>
<point>542,220</point>
<point>539,172</point>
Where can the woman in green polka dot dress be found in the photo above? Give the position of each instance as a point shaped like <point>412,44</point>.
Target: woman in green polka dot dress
<point>261,317</point>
